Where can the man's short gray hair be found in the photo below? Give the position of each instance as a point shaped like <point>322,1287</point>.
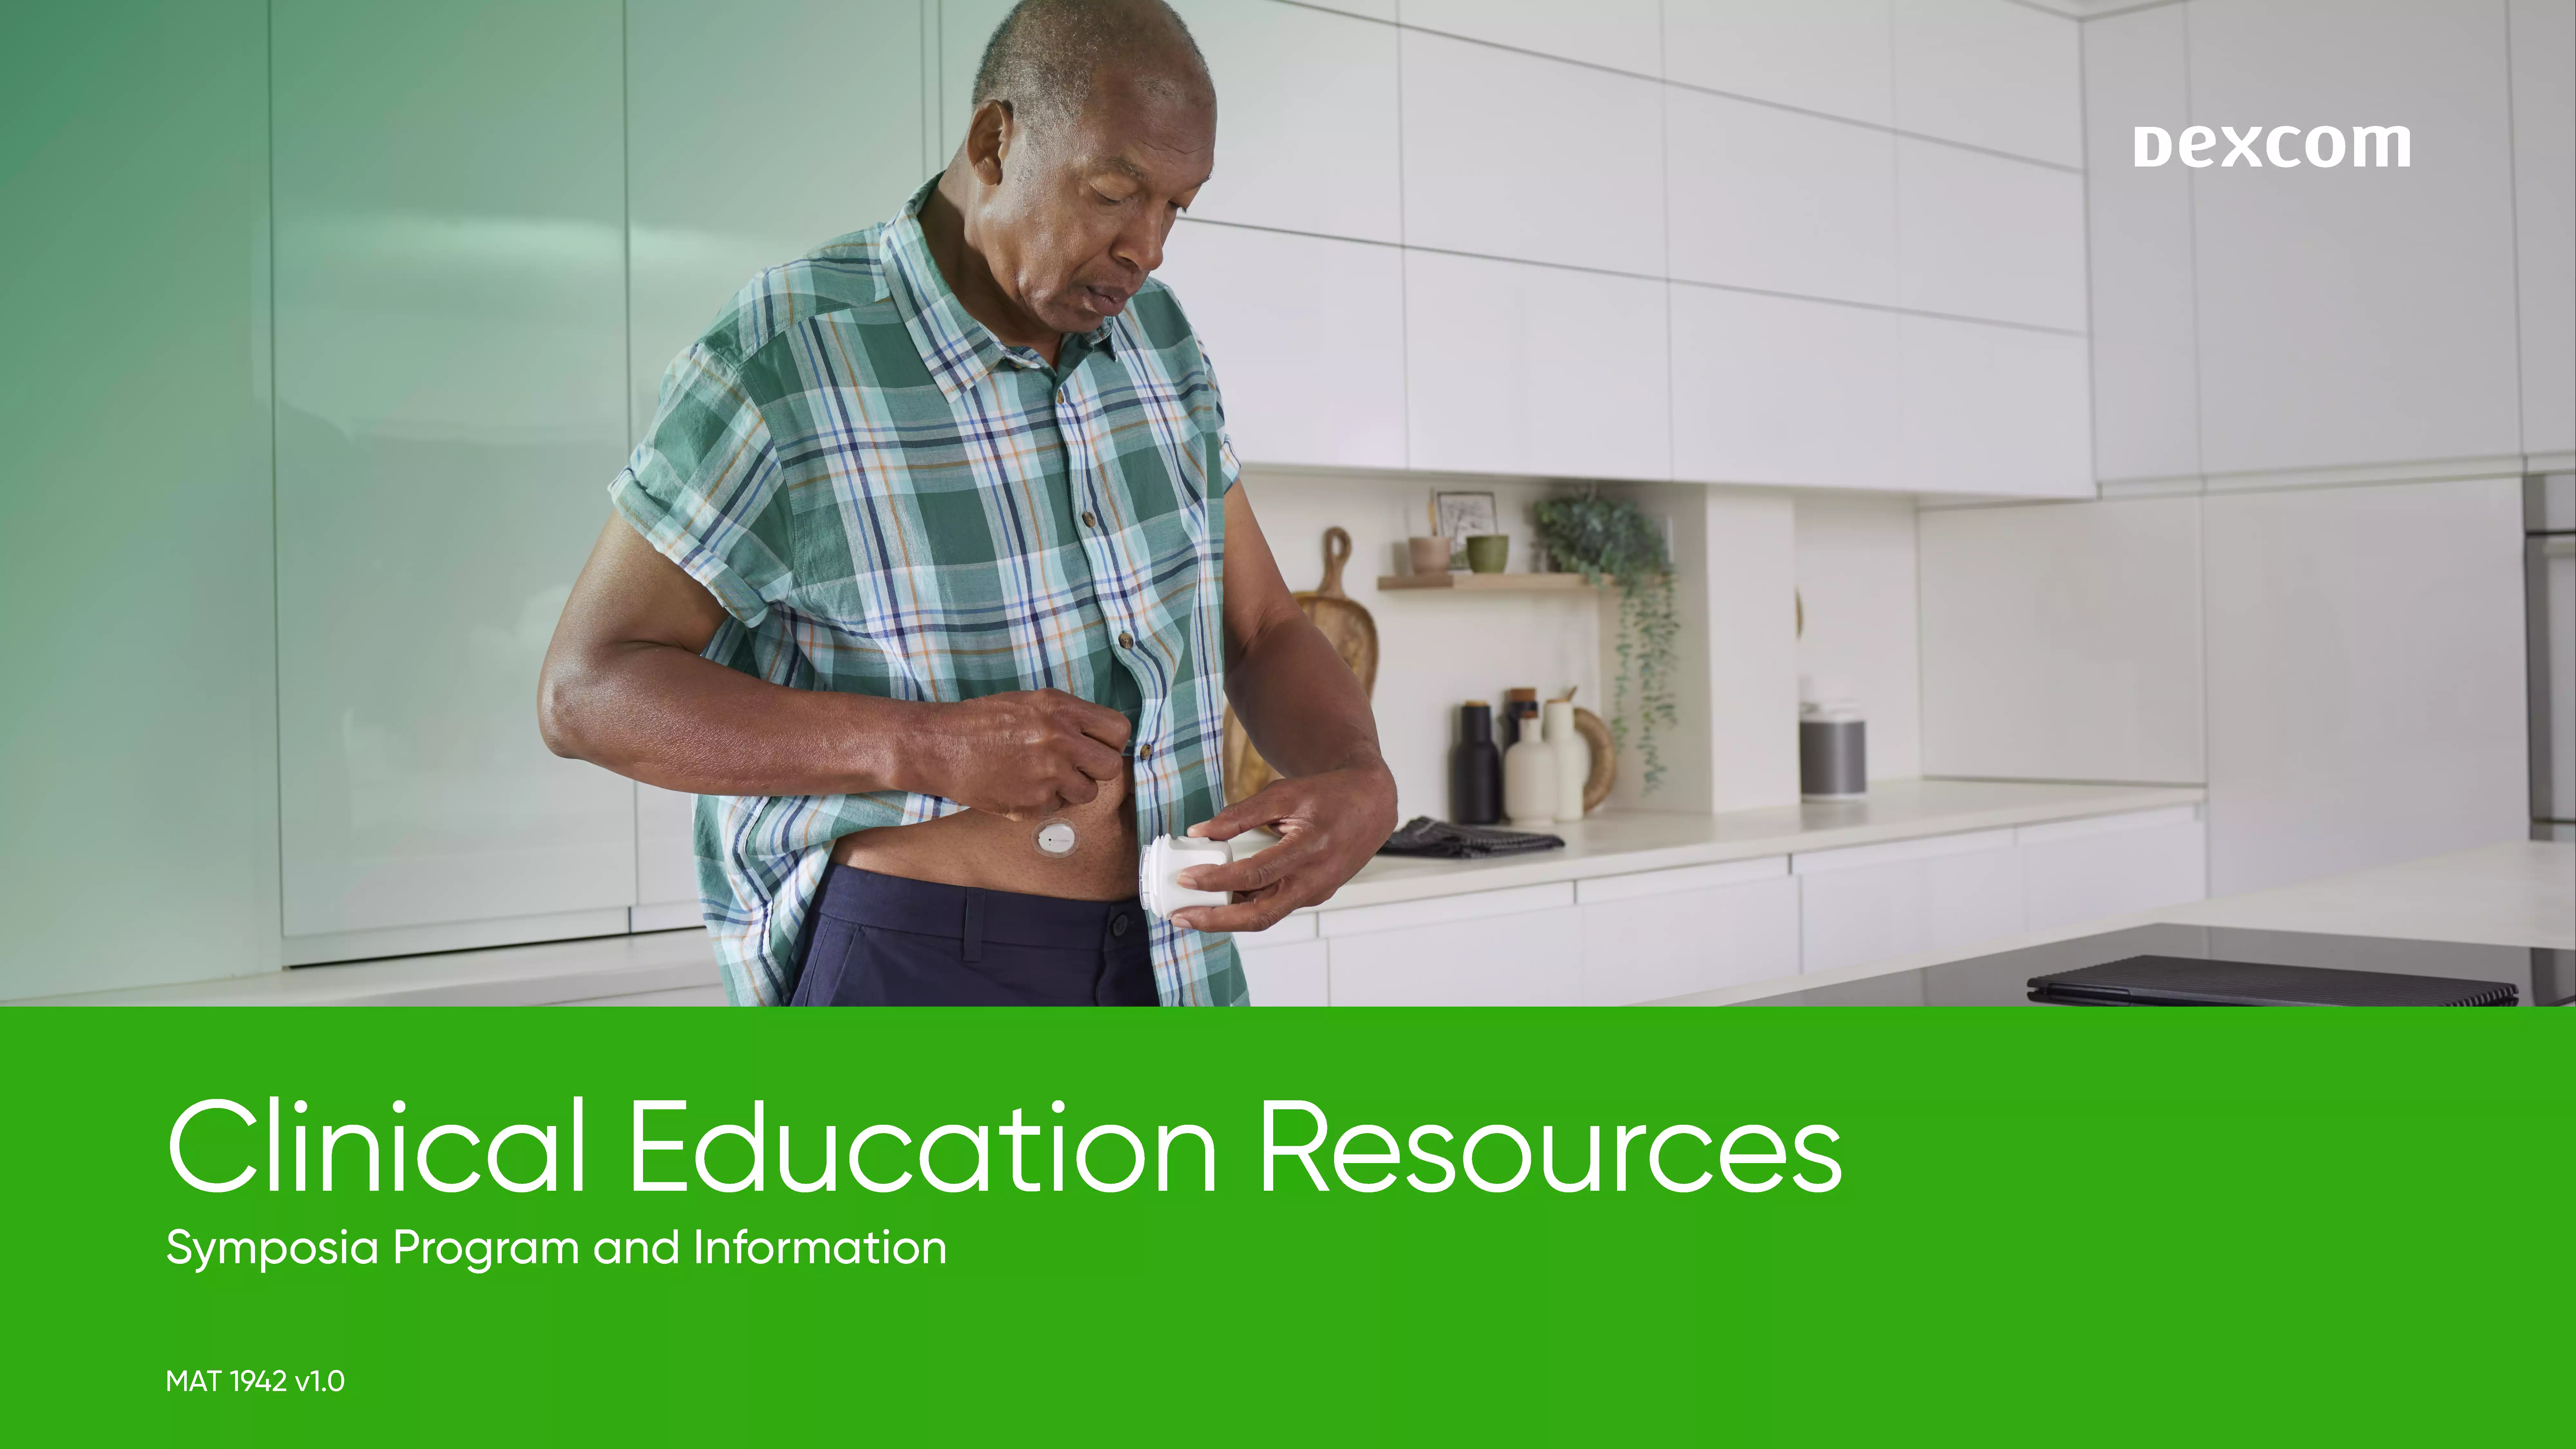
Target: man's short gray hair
<point>1043,55</point>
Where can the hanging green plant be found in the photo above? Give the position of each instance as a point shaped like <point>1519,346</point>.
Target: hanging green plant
<point>1614,539</point>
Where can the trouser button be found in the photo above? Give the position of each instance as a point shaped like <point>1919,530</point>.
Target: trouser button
<point>1118,924</point>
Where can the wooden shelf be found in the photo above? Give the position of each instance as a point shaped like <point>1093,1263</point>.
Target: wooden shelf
<point>1486,583</point>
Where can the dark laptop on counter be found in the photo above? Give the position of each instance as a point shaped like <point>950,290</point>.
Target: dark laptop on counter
<point>2196,981</point>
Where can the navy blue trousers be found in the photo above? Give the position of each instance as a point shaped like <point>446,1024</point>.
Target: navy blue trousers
<point>882,940</point>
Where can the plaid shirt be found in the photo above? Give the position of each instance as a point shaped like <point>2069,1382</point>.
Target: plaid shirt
<point>888,501</point>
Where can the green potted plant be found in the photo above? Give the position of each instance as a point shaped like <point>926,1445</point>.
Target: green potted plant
<point>1611,538</point>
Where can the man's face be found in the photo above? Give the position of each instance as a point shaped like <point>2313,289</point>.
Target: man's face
<point>1084,205</point>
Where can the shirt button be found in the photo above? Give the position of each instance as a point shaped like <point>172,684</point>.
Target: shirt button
<point>1090,522</point>
<point>1144,749</point>
<point>1126,641</point>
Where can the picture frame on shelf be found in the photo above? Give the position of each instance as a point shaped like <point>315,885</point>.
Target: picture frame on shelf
<point>1455,516</point>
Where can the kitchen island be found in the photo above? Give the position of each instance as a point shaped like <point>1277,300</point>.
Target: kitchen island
<point>2516,895</point>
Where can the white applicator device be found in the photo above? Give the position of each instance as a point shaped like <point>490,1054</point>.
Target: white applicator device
<point>1163,859</point>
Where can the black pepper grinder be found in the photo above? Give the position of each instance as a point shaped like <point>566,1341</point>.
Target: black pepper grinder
<point>1476,768</point>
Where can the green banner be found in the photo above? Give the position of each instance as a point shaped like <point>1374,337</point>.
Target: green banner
<point>1432,1225</point>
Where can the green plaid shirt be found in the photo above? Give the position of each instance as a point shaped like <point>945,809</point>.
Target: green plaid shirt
<point>888,501</point>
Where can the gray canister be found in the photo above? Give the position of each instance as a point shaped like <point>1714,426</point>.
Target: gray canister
<point>1833,741</point>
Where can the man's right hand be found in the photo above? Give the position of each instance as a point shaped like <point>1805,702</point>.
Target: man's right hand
<point>1025,754</point>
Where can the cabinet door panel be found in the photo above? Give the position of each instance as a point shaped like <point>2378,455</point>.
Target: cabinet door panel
<point>1518,369</point>
<point>1987,236</point>
<point>1780,202</point>
<point>1307,137</point>
<point>140,587</point>
<point>450,202</point>
<point>1279,315</point>
<point>965,26</point>
<point>1291,975</point>
<point>2124,865</point>
<point>2367,678</point>
<point>1817,55</point>
<point>1621,34</point>
<point>1511,155</point>
<point>717,192</point>
<point>1694,940</point>
<point>666,856</point>
<point>2356,315</point>
<point>1990,73</point>
<point>1872,912</point>
<point>1991,409</point>
<point>2544,216</point>
<point>1527,959</point>
<point>1782,390</point>
<point>2146,405</point>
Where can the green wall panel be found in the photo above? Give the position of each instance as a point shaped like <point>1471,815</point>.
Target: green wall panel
<point>138,765</point>
<point>726,177</point>
<point>451,365</point>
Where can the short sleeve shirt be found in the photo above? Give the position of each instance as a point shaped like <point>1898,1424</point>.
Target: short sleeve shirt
<point>887,500</point>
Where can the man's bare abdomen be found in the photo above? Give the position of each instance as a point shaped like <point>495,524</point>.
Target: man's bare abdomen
<point>994,852</point>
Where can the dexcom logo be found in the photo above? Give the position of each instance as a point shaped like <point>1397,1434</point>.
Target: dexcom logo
<point>2324,146</point>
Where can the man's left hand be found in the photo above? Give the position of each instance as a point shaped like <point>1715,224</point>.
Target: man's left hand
<point>1328,826</point>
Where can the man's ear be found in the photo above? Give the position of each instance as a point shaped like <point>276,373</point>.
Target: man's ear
<point>989,134</point>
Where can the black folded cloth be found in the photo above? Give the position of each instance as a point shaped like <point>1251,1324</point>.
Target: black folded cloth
<point>1423,835</point>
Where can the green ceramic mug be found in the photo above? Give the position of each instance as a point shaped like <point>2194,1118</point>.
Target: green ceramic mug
<point>1486,552</point>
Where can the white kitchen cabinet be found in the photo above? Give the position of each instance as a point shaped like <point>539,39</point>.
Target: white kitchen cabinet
<point>1781,390</point>
<point>2062,641</point>
<point>1277,313</point>
<point>2146,404</point>
<point>2544,215</point>
<point>717,193</point>
<point>1619,34</point>
<point>1992,409</point>
<point>1307,134</point>
<point>2111,865</point>
<point>1517,947</point>
<point>1871,902</point>
<point>1287,975</point>
<point>449,194</point>
<point>139,773</point>
<point>1519,369</point>
<point>1773,200</point>
<point>965,27</point>
<point>1988,236</point>
<point>2366,678</point>
<point>1817,55</point>
<point>1662,933</point>
<point>1513,155</point>
<point>666,860</point>
<point>2356,315</point>
<point>1989,73</point>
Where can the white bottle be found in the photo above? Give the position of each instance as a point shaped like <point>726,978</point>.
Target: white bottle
<point>1529,782</point>
<point>1573,759</point>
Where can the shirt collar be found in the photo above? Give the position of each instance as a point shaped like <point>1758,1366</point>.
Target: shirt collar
<point>959,351</point>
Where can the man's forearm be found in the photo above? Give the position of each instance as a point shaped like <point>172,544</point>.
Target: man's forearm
<point>667,717</point>
<point>1300,702</point>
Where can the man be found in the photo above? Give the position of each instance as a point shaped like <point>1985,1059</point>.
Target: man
<point>934,576</point>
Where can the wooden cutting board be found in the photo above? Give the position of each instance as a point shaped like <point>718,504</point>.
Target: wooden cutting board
<point>1353,635</point>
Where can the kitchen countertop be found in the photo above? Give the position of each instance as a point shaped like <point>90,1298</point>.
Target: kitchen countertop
<point>1624,842</point>
<point>2516,893</point>
<point>676,966</point>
